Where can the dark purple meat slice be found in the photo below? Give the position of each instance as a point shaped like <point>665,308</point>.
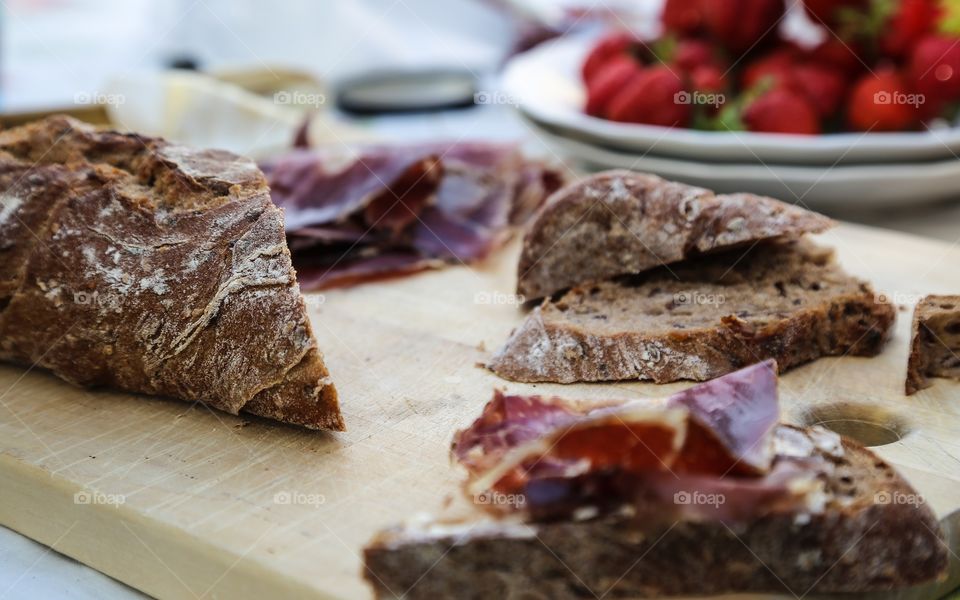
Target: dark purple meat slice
<point>714,442</point>
<point>317,188</point>
<point>401,208</point>
<point>738,412</point>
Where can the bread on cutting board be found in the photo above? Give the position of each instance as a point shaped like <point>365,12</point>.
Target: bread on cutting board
<point>704,493</point>
<point>673,282</point>
<point>620,222</point>
<point>935,342</point>
<point>136,264</point>
<point>787,300</point>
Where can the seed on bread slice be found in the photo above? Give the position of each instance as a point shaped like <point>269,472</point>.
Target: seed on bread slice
<point>935,345</point>
<point>623,222</point>
<point>787,300</point>
<point>871,532</point>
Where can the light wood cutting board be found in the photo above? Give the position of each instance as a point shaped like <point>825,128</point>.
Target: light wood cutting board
<point>183,502</point>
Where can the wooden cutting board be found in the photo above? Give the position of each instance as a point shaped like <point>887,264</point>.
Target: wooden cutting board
<point>183,502</point>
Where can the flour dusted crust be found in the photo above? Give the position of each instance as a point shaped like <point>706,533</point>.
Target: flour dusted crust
<point>935,343</point>
<point>786,300</point>
<point>136,264</point>
<point>620,222</point>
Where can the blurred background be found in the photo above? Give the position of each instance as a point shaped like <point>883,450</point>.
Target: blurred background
<point>267,65</point>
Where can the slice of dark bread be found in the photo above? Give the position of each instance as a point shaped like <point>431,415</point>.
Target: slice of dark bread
<point>935,346</point>
<point>623,222</point>
<point>787,300</point>
<point>873,532</point>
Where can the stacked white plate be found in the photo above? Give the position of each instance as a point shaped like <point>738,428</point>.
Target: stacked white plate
<point>838,171</point>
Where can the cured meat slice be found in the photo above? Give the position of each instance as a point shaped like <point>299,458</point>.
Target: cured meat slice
<point>316,187</point>
<point>375,211</point>
<point>555,453</point>
<point>738,413</point>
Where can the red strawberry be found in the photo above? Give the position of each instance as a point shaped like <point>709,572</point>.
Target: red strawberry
<point>782,111</point>
<point>654,97</point>
<point>823,86</point>
<point>610,45</point>
<point>912,20</point>
<point>739,25</point>
<point>832,13</point>
<point>838,54</point>
<point>692,53</point>
<point>775,68</point>
<point>882,102</point>
<point>934,71</point>
<point>708,78</point>
<point>611,77</point>
<point>683,16</point>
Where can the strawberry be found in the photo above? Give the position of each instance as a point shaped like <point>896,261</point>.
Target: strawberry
<point>773,68</point>
<point>652,97</point>
<point>683,16</point>
<point>739,25</point>
<point>692,53</point>
<point>781,110</point>
<point>882,102</point>
<point>837,54</point>
<point>911,20</point>
<point>708,79</point>
<point>824,87</point>
<point>613,44</point>
<point>611,77</point>
<point>834,13</point>
<point>934,71</point>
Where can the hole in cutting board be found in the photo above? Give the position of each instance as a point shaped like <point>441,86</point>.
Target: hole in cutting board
<point>869,425</point>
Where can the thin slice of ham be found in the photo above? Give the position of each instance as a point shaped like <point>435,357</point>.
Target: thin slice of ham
<point>508,422</point>
<point>738,414</point>
<point>718,444</point>
<point>361,214</point>
<point>322,187</point>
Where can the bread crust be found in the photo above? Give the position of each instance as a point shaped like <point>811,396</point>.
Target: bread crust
<point>935,342</point>
<point>868,538</point>
<point>620,222</point>
<point>788,301</point>
<point>149,267</point>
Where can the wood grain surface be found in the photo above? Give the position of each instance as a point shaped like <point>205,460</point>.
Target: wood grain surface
<point>184,502</point>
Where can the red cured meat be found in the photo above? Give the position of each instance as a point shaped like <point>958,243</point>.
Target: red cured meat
<point>381,210</point>
<point>714,441</point>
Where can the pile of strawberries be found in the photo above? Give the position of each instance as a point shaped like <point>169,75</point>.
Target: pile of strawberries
<point>882,65</point>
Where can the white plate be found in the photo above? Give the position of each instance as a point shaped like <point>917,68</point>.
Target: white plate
<point>544,83</point>
<point>832,189</point>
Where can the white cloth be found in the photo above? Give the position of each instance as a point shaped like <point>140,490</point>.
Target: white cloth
<point>29,571</point>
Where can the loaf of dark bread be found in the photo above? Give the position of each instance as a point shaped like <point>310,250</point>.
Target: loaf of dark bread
<point>935,344</point>
<point>622,222</point>
<point>787,300</point>
<point>872,532</point>
<point>144,266</point>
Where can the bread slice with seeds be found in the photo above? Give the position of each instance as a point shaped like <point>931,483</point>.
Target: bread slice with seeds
<point>869,531</point>
<point>787,300</point>
<point>935,345</point>
<point>623,222</point>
